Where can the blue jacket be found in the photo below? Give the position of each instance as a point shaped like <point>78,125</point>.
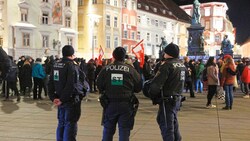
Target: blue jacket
<point>38,71</point>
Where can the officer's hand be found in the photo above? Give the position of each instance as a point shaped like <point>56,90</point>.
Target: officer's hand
<point>57,102</point>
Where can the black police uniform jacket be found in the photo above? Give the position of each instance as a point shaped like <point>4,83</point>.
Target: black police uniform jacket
<point>170,78</point>
<point>64,81</point>
<point>5,63</point>
<point>119,80</point>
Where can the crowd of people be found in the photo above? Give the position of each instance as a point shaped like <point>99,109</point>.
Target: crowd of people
<point>117,80</point>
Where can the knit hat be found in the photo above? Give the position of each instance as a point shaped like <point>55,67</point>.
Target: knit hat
<point>172,50</point>
<point>119,54</point>
<point>38,60</point>
<point>227,56</point>
<point>68,50</point>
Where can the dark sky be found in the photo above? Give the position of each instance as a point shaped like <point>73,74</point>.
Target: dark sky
<point>238,12</point>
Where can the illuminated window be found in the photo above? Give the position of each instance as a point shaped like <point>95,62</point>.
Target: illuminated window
<point>219,24</point>
<point>138,35</point>
<point>207,25</point>
<point>148,37</point>
<point>24,15</point>
<point>207,11</point>
<point>26,39</point>
<point>70,40</point>
<point>217,11</point>
<point>115,21</point>
<point>125,34</point>
<point>67,3</point>
<point>45,18</point>
<point>67,21</point>
<point>45,41</point>
<point>108,42</point>
<point>116,41</point>
<point>108,20</point>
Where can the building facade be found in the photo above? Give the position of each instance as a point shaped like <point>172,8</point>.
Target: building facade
<point>216,23</point>
<point>38,28</point>
<point>99,25</point>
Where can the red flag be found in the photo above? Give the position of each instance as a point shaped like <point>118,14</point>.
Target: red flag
<point>138,50</point>
<point>101,53</point>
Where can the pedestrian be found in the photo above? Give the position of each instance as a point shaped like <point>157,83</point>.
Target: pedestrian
<point>165,90</point>
<point>199,70</point>
<point>228,80</point>
<point>66,91</point>
<point>212,74</point>
<point>5,64</point>
<point>12,81</point>
<point>38,75</point>
<point>245,78</point>
<point>117,83</point>
<point>189,76</point>
<point>26,74</point>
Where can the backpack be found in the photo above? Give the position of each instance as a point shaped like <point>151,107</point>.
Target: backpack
<point>145,89</point>
<point>204,75</point>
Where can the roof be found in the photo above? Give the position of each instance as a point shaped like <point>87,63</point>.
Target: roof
<point>171,9</point>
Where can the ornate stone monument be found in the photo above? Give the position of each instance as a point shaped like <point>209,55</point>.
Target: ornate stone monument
<point>195,37</point>
<point>162,46</point>
<point>226,46</point>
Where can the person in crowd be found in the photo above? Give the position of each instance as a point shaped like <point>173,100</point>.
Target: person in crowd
<point>91,68</point>
<point>66,92</point>
<point>147,70</point>
<point>166,89</point>
<point>199,70</point>
<point>26,72</point>
<point>136,65</point>
<point>212,80</point>
<point>245,77</point>
<point>12,81</point>
<point>20,76</point>
<point>38,75</point>
<point>228,80</point>
<point>117,83</point>
<point>189,76</point>
<point>49,63</point>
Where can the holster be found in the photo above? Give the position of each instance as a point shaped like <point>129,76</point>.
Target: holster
<point>135,104</point>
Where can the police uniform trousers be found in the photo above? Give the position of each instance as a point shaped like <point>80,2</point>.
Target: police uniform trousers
<point>169,129</point>
<point>68,115</point>
<point>121,113</point>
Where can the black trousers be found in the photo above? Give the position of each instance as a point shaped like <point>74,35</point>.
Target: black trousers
<point>190,87</point>
<point>38,83</point>
<point>11,85</point>
<point>212,89</point>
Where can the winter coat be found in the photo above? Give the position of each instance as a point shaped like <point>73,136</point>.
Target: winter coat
<point>245,76</point>
<point>38,71</point>
<point>213,75</point>
<point>26,73</point>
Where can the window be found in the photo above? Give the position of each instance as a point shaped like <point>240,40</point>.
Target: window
<point>45,41</point>
<point>164,25</point>
<point>115,3</point>
<point>70,41</point>
<point>219,24</point>
<point>146,7</point>
<point>94,1</point>
<point>108,2</point>
<point>116,40</point>
<point>67,21</point>
<point>217,38</point>
<point>45,18</point>
<point>45,0</point>
<point>207,25</point>
<point>164,11</point>
<point>133,5</point>
<point>125,34</point>
<point>155,9</point>
<point>138,35</point>
<point>132,20</point>
<point>217,11</point>
<point>125,47</point>
<point>67,3</point>
<point>26,39</point>
<point>125,18</point>
<point>139,19</point>
<point>94,42</point>
<point>156,23</point>
<point>148,21</point>
<point>133,35</point>
<point>108,20</point>
<point>139,5</point>
<point>115,21</point>
<point>148,37</point>
<point>24,15</point>
<point>108,42</point>
<point>156,38</point>
<point>207,11</point>
<point>80,2</point>
<point>125,4</point>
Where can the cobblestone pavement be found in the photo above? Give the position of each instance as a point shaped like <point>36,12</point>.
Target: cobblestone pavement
<point>31,120</point>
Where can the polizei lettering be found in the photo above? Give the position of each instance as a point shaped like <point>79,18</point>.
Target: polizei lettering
<point>178,65</point>
<point>117,68</point>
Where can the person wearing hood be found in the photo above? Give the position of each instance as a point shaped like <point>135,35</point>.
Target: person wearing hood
<point>38,75</point>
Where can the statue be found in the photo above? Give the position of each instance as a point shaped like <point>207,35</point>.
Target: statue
<point>190,40</point>
<point>201,41</point>
<point>196,18</point>
<point>226,46</point>
<point>163,44</point>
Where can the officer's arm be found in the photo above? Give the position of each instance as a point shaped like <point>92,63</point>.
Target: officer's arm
<point>136,80</point>
<point>159,80</point>
<point>67,91</point>
<point>100,80</point>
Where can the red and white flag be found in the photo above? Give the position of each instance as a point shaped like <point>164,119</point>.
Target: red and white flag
<point>138,50</point>
<point>101,54</point>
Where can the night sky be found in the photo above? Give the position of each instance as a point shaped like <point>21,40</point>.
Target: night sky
<point>238,12</point>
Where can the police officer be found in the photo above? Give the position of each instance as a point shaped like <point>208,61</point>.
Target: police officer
<point>66,92</point>
<point>166,88</point>
<point>118,82</point>
<point>5,64</point>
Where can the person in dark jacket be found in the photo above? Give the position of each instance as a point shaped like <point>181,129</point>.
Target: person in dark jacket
<point>26,74</point>
<point>91,68</point>
<point>5,64</point>
<point>189,77</point>
<point>66,91</point>
<point>166,89</point>
<point>147,69</point>
<point>118,82</point>
<point>12,81</point>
